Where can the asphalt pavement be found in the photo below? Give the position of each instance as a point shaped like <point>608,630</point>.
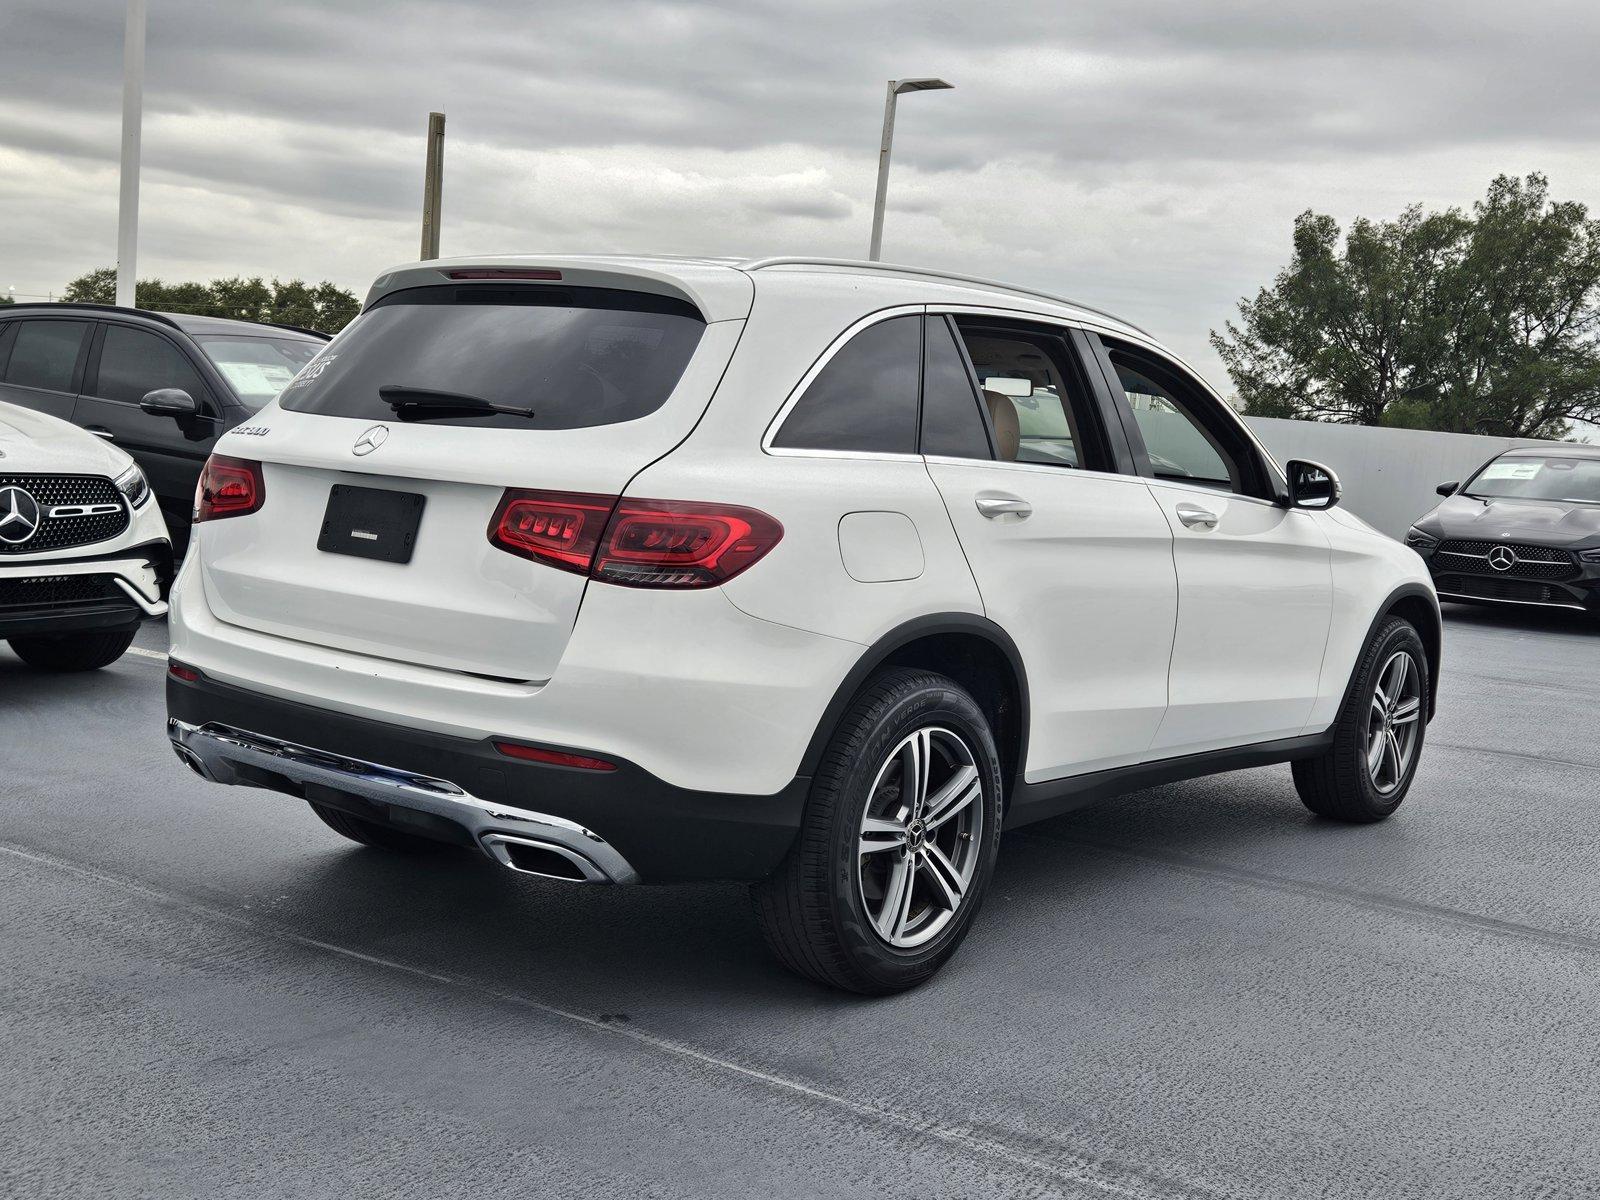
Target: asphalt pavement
<point>1194,991</point>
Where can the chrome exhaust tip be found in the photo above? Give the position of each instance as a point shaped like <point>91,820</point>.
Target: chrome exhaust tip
<point>192,760</point>
<point>530,856</point>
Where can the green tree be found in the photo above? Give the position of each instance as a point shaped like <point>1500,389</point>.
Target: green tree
<point>323,306</point>
<point>1481,322</point>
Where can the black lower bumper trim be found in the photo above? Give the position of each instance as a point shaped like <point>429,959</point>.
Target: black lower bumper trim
<point>669,834</point>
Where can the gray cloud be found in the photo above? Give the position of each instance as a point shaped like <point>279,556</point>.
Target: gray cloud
<point>1148,155</point>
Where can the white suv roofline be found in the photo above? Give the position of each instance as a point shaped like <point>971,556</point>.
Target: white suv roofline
<point>860,264</point>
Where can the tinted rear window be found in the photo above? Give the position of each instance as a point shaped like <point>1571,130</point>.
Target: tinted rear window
<point>579,357</point>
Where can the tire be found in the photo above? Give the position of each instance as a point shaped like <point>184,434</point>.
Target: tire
<point>73,651</point>
<point>1342,784</point>
<point>371,833</point>
<point>827,912</point>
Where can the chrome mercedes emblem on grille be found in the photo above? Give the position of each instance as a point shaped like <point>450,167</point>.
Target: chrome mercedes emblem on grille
<point>370,439</point>
<point>1502,558</point>
<point>19,515</point>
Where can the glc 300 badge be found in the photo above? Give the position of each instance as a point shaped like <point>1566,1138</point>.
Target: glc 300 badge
<point>371,439</point>
<point>19,515</point>
<point>251,430</point>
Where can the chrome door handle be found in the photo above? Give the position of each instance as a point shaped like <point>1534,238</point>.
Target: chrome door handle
<point>1195,517</point>
<point>101,433</point>
<point>1002,504</point>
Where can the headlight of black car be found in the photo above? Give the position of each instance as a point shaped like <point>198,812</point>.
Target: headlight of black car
<point>133,485</point>
<point>1419,541</point>
<point>1592,556</point>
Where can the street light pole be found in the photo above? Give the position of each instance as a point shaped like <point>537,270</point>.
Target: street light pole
<point>896,86</point>
<point>433,186</point>
<point>132,120</point>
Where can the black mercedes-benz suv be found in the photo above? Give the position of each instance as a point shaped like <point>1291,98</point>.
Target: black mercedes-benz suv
<point>162,386</point>
<point>1525,529</point>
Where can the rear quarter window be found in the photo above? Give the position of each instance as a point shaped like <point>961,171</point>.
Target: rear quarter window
<point>865,398</point>
<point>579,357</point>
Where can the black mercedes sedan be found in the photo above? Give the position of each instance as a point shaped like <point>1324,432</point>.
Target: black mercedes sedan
<point>1525,529</point>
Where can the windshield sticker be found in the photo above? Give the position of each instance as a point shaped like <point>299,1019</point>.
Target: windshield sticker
<point>1511,470</point>
<point>312,369</point>
<point>256,379</point>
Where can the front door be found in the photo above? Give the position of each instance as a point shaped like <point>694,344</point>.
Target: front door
<point>170,450</point>
<point>1255,578</point>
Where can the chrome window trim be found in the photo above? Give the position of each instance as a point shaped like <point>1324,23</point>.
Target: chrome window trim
<point>816,368</point>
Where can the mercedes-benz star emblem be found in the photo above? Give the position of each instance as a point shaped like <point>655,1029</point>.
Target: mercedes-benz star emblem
<point>371,439</point>
<point>1502,558</point>
<point>19,515</point>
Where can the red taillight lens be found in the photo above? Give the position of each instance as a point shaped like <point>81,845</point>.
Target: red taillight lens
<point>670,543</point>
<point>178,671</point>
<point>637,543</point>
<point>229,487</point>
<point>560,528</point>
<point>556,758</point>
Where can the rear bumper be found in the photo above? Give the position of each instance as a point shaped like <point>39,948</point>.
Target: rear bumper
<point>617,826</point>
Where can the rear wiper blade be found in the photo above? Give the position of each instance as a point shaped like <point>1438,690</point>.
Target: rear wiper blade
<point>414,403</point>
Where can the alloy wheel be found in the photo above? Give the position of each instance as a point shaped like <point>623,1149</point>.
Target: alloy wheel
<point>920,836</point>
<point>1393,722</point>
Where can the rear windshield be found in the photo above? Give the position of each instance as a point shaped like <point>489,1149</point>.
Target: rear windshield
<point>258,367</point>
<point>579,357</point>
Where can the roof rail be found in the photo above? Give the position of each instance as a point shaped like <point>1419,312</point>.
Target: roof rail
<point>116,308</point>
<point>859,264</point>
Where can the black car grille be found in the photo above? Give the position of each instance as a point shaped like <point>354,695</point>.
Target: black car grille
<point>1533,562</point>
<point>59,533</point>
<point>59,591</point>
<point>1484,587</point>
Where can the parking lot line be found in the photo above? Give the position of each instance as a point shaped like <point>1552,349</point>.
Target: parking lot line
<point>1077,1170</point>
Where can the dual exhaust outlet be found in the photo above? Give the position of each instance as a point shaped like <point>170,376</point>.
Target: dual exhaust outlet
<point>541,844</point>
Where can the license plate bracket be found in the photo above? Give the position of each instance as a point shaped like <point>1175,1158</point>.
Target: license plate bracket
<point>371,523</point>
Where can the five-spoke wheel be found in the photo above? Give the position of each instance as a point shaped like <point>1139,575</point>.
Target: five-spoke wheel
<point>898,840</point>
<point>920,836</point>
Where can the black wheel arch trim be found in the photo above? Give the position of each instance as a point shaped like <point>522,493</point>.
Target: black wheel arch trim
<point>1434,652</point>
<point>879,653</point>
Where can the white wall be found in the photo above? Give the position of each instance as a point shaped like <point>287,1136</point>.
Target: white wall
<point>1388,475</point>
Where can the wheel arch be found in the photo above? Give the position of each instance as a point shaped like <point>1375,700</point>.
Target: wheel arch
<point>970,649</point>
<point>1418,605</point>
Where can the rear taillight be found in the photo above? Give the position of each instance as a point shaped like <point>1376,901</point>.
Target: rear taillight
<point>559,528</point>
<point>636,543</point>
<point>229,487</point>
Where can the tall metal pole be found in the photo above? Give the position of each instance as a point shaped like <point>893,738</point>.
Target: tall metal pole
<point>132,120</point>
<point>433,186</point>
<point>884,149</point>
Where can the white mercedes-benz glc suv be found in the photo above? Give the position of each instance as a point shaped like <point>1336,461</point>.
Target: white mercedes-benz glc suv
<point>84,555</point>
<point>809,573</point>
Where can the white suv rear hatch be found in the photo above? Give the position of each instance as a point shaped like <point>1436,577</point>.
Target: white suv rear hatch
<point>614,379</point>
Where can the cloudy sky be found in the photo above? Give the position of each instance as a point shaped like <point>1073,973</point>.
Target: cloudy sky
<point>1139,155</point>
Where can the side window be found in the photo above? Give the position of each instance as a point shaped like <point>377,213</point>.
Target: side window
<point>1038,409</point>
<point>1186,441</point>
<point>45,354</point>
<point>133,362</point>
<point>952,423</point>
<point>865,399</point>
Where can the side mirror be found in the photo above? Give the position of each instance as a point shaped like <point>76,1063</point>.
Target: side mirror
<point>1312,485</point>
<point>1447,489</point>
<point>169,402</point>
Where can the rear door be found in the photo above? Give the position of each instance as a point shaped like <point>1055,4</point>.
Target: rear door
<point>1255,582</point>
<point>1072,560</point>
<point>127,363</point>
<point>41,362</point>
<point>614,379</point>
